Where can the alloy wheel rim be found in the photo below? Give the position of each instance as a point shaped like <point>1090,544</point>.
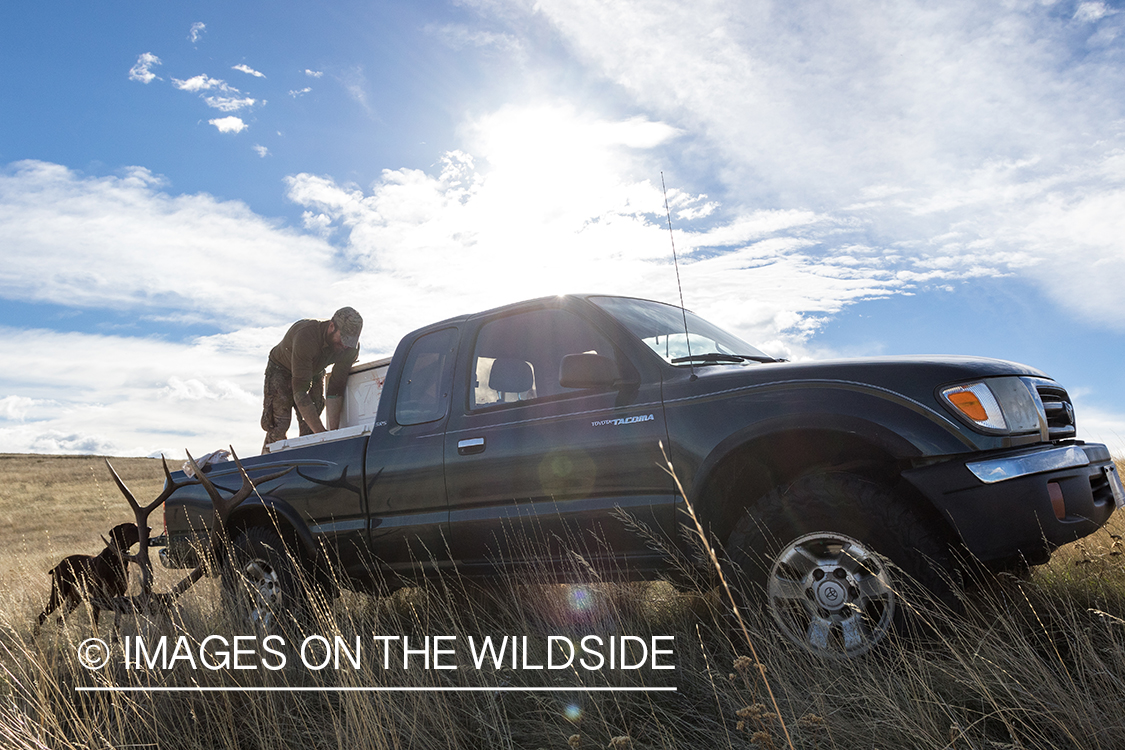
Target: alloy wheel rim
<point>832,595</point>
<point>264,592</point>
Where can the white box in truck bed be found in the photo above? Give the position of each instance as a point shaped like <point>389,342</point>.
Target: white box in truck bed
<point>361,402</point>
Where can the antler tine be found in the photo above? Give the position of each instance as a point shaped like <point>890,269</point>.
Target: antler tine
<point>261,480</point>
<point>224,507</point>
<point>167,472</point>
<point>170,486</point>
<point>203,480</point>
<point>141,516</point>
<point>124,490</point>
<point>248,484</point>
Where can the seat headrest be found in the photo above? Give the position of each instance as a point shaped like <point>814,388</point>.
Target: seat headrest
<point>511,376</point>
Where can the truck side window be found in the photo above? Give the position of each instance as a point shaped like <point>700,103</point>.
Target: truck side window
<point>517,357</point>
<point>423,391</point>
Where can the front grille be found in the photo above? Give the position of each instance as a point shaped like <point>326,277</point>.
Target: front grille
<point>1060,412</point>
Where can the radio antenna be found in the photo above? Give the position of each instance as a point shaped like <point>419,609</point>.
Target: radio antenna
<point>676,263</point>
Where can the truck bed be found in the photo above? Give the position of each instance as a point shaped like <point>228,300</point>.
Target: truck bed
<point>361,402</point>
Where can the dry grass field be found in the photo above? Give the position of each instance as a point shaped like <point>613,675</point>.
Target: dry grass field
<point>1035,663</point>
<point>53,506</point>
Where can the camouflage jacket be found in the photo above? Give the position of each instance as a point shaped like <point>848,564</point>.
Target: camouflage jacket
<point>305,352</point>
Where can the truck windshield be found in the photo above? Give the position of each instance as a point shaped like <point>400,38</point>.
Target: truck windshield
<point>661,326</point>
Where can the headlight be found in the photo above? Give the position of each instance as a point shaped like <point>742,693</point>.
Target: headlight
<point>976,402</point>
<point>997,405</point>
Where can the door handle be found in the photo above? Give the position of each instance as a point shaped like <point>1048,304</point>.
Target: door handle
<point>470,446</point>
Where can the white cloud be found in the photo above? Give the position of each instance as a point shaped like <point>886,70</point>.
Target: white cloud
<point>939,135</point>
<point>194,389</point>
<point>141,69</point>
<point>317,223</point>
<point>228,99</point>
<point>229,124</point>
<point>121,243</point>
<point>299,92</point>
<point>851,151</point>
<point>135,396</point>
<point>355,83</point>
<point>555,200</point>
<point>229,103</point>
<point>248,70</point>
<point>196,32</point>
<point>262,151</point>
<point>460,36</point>
<point>1089,12</point>
<point>201,82</point>
<point>17,407</point>
<point>554,210</point>
<point>1096,423</point>
<point>754,226</point>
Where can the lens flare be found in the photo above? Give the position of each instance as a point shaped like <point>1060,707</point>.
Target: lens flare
<point>581,600</point>
<point>572,712</point>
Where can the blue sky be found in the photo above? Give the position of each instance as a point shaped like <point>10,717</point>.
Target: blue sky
<point>179,183</point>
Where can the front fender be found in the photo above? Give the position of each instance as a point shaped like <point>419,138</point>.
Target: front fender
<point>792,423</point>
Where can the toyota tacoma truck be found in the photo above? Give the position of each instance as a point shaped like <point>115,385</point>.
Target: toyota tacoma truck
<point>513,439</point>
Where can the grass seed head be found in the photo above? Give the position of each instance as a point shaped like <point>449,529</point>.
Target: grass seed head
<point>755,712</point>
<point>762,739</point>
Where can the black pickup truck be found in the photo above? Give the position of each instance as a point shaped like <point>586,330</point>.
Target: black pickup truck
<point>511,438</point>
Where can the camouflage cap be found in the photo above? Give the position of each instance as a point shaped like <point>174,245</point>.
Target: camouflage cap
<point>349,324</point>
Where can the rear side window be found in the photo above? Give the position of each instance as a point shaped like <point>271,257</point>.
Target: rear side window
<point>423,392</point>
<point>517,358</point>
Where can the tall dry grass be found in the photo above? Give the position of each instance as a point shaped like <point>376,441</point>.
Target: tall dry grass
<point>53,506</point>
<point>1035,663</point>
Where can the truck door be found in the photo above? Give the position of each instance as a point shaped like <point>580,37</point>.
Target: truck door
<point>534,469</point>
<point>404,473</point>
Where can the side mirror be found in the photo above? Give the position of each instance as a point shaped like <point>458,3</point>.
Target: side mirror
<point>588,371</point>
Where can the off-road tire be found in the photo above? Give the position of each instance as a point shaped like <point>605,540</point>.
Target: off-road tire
<point>839,563</point>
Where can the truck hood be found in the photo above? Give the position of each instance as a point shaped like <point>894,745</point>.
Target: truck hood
<point>915,375</point>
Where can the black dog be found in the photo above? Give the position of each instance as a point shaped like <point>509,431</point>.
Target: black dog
<point>95,578</point>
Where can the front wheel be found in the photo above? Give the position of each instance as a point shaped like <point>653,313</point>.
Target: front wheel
<point>819,555</point>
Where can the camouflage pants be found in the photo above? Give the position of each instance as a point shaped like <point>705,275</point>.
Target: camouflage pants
<point>278,406</point>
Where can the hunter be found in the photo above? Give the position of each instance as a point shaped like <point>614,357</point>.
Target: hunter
<point>295,374</point>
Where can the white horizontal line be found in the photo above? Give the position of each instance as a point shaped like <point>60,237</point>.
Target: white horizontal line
<point>201,689</point>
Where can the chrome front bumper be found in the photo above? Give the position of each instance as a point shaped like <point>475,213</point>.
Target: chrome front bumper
<point>996,470</point>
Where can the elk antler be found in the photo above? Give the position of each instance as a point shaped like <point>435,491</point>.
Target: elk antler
<point>148,602</point>
<point>225,506</point>
<point>223,509</point>
<point>142,558</point>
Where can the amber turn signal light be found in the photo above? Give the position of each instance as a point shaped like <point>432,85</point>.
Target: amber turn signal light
<point>968,403</point>
<point>1058,504</point>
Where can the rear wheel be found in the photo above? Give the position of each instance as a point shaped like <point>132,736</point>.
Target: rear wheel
<point>819,555</point>
<point>262,581</point>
